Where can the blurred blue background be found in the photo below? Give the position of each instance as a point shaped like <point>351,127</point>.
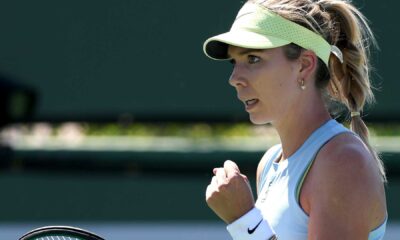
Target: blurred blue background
<point>112,118</point>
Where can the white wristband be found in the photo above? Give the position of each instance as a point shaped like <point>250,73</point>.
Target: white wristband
<point>251,226</point>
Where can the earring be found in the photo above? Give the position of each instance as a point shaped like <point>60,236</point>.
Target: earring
<point>302,85</point>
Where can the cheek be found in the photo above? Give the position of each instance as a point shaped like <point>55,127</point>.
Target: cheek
<point>278,91</point>
<point>277,80</point>
<point>286,80</point>
<point>275,85</point>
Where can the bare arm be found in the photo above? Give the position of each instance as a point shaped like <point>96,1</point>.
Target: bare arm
<point>344,195</point>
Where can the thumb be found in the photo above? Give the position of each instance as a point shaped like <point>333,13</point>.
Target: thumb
<point>231,168</point>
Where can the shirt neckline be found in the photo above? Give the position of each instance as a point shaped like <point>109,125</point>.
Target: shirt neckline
<point>309,139</point>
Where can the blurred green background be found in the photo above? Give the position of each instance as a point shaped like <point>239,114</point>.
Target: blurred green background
<point>111,112</point>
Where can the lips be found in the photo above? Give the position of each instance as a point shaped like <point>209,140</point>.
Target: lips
<point>251,103</point>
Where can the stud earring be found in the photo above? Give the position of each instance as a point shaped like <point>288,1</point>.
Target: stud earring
<point>302,85</point>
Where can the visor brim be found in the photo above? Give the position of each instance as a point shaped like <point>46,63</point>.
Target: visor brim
<point>217,47</point>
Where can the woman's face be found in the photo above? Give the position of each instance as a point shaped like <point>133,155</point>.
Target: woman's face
<point>266,82</point>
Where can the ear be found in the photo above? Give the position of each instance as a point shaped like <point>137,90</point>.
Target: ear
<point>308,64</point>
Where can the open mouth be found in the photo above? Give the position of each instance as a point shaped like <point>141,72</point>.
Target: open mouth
<point>251,102</point>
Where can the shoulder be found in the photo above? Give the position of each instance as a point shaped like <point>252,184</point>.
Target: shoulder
<point>345,158</point>
<point>344,185</point>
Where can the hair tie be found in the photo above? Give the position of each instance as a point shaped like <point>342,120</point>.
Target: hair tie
<point>355,114</point>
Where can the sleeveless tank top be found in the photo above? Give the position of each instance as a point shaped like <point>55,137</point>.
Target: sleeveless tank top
<point>280,184</point>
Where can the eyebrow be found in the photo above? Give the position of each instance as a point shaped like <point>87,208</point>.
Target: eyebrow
<point>246,51</point>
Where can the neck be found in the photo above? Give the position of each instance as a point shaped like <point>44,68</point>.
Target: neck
<point>298,124</point>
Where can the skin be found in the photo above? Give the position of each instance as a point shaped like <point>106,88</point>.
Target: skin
<point>338,202</point>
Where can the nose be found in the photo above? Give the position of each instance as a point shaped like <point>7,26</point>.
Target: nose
<point>237,78</point>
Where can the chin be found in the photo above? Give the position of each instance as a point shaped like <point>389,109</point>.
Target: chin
<point>257,120</point>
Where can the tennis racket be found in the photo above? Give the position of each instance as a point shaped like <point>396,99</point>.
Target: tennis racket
<point>60,233</point>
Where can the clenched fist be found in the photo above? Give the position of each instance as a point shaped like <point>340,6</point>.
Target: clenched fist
<point>229,194</point>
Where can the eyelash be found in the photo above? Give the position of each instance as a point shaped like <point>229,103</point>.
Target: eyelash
<point>251,59</point>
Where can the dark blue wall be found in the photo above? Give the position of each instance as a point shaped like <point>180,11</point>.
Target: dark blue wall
<point>142,60</point>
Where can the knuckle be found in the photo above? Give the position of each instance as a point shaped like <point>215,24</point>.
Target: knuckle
<point>235,177</point>
<point>223,187</point>
<point>244,177</point>
<point>213,179</point>
<point>211,196</point>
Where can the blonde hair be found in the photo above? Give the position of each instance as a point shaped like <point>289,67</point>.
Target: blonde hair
<point>343,25</point>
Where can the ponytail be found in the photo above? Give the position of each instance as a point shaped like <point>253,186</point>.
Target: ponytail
<point>350,81</point>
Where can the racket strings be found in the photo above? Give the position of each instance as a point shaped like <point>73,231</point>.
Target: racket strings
<point>57,238</point>
<point>60,233</point>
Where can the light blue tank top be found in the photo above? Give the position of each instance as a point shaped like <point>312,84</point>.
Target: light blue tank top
<point>280,182</point>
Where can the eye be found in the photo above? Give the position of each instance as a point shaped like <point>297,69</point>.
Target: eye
<point>253,59</point>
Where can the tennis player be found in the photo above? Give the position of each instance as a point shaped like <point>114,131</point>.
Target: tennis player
<point>291,60</point>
